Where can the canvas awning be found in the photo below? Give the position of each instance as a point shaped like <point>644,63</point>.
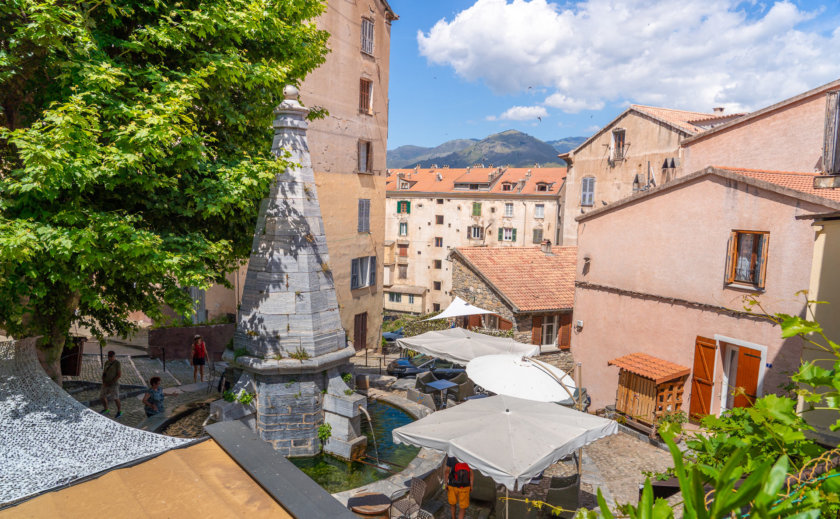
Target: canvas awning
<point>461,346</point>
<point>457,308</point>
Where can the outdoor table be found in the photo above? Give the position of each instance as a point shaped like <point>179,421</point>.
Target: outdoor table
<point>442,386</point>
<point>370,504</point>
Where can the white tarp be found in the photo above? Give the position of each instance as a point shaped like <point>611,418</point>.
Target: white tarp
<point>461,346</point>
<point>510,440</point>
<point>521,377</point>
<point>457,308</point>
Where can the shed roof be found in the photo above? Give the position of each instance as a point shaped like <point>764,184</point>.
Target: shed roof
<point>647,366</point>
<point>798,181</point>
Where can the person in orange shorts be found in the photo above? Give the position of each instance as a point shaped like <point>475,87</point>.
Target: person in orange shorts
<point>459,482</point>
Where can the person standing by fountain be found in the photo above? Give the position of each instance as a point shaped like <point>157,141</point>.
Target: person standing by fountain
<point>111,373</point>
<point>153,399</point>
<point>459,483</point>
<point>198,354</point>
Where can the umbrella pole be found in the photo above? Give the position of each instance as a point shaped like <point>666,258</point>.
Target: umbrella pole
<point>507,499</point>
<point>580,408</point>
<point>547,369</point>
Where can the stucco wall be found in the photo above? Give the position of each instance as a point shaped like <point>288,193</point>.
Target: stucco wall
<point>457,217</point>
<point>673,245</point>
<point>789,139</point>
<point>647,140</point>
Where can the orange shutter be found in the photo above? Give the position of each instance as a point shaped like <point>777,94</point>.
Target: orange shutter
<point>749,366</point>
<point>536,329</point>
<point>564,334</point>
<point>702,377</point>
<point>730,257</point>
<point>504,324</point>
<point>474,322</point>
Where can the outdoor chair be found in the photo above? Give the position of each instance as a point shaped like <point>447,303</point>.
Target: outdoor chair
<point>565,492</point>
<point>424,399</point>
<point>464,389</point>
<point>408,506</point>
<point>423,380</point>
<point>484,488</point>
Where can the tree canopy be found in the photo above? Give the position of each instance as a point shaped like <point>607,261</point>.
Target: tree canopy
<point>134,150</point>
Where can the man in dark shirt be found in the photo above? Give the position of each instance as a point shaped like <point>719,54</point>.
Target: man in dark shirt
<point>111,373</point>
<point>459,482</point>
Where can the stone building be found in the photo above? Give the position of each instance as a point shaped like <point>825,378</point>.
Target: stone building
<point>530,289</point>
<point>637,151</point>
<point>430,212</point>
<point>348,156</point>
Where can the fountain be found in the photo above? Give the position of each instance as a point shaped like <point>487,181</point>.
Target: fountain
<point>372,431</point>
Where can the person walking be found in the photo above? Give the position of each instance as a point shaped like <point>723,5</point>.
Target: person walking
<point>198,354</point>
<point>111,373</point>
<point>153,399</point>
<point>459,483</point>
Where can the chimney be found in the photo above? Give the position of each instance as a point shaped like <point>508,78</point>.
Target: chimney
<point>718,109</point>
<point>528,174</point>
<point>416,168</point>
<point>545,246</point>
<point>439,176</point>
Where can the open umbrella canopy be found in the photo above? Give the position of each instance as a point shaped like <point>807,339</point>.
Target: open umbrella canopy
<point>510,440</point>
<point>521,377</point>
<point>457,308</point>
<point>462,346</point>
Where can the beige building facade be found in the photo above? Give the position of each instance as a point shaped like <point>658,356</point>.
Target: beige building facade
<point>637,151</point>
<point>348,149</point>
<point>430,212</point>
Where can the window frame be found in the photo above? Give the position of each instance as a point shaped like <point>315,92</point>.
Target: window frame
<point>365,96</point>
<point>403,204</point>
<point>508,209</point>
<point>403,229</point>
<point>438,264</point>
<point>411,299</point>
<point>362,272</point>
<point>476,209</point>
<point>394,297</point>
<point>549,325</point>
<point>534,236</point>
<point>618,144</point>
<point>758,259</point>
<point>539,211</point>
<point>364,148</point>
<point>437,285</point>
<point>438,241</point>
<point>438,219</point>
<point>368,35</point>
<point>587,201</point>
<point>473,229</point>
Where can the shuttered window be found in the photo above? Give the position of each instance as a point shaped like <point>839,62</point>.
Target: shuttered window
<point>747,258</point>
<point>366,96</point>
<point>507,234</point>
<point>476,232</point>
<point>831,143</point>
<point>367,36</point>
<point>587,191</point>
<point>476,211</point>
<point>364,215</point>
<point>365,157</point>
<point>538,235</point>
<point>403,228</point>
<point>404,207</point>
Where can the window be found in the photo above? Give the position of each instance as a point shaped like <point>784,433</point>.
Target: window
<point>404,185</point>
<point>367,36</point>
<point>476,209</point>
<point>402,250</point>
<point>549,329</point>
<point>363,272</point>
<point>747,262</point>
<point>438,242</point>
<point>587,191</point>
<point>509,209</point>
<point>440,200</point>
<point>474,187</point>
<point>402,271</point>
<point>394,297</point>
<point>476,232</point>
<point>539,211</point>
<point>542,186</point>
<point>439,219</point>
<point>435,307</point>
<point>411,299</point>
<point>617,145</point>
<point>365,157</point>
<point>438,264</point>
<point>437,285</point>
<point>507,186</point>
<point>404,207</point>
<point>366,96</point>
<point>403,228</point>
<point>507,234</point>
<point>538,235</point>
<point>364,215</point>
<point>490,321</point>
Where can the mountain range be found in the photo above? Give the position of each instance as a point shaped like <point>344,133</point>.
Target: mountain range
<point>510,147</point>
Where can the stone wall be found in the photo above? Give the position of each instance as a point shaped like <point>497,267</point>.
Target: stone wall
<point>177,341</point>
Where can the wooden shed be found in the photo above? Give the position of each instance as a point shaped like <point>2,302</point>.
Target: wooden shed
<point>648,387</point>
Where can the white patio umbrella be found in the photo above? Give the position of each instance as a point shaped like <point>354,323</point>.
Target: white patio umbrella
<point>521,377</point>
<point>508,439</point>
<point>461,346</point>
<point>457,308</point>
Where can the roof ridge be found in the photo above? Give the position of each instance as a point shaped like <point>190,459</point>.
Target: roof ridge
<point>672,109</point>
<point>772,171</point>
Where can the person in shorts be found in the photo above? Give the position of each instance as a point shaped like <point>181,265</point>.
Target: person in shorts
<point>198,354</point>
<point>153,399</point>
<point>459,482</point>
<point>111,373</point>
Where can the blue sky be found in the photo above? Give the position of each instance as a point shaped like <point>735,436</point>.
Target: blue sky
<point>470,68</point>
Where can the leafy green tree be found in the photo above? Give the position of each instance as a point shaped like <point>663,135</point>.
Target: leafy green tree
<point>134,150</point>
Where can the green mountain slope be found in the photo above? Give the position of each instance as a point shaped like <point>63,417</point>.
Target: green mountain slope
<point>510,147</point>
<point>408,156</point>
<point>566,144</point>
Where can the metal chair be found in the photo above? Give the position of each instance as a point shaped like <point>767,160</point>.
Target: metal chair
<point>409,506</point>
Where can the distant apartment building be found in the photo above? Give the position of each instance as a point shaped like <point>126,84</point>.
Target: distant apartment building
<point>348,155</point>
<point>637,151</point>
<point>429,212</point>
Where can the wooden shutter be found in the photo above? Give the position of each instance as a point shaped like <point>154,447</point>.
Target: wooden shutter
<point>354,273</point>
<point>513,235</point>
<point>749,365</point>
<point>702,377</point>
<point>500,233</point>
<point>831,134</point>
<point>408,207</point>
<point>360,331</point>
<point>730,257</point>
<point>372,267</point>
<point>474,322</point>
<point>564,334</point>
<point>504,324</point>
<point>536,329</point>
<point>762,259</point>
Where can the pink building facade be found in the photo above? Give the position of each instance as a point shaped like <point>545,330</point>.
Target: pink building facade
<point>658,273</point>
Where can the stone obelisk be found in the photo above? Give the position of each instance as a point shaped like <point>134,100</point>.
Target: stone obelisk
<point>289,321</point>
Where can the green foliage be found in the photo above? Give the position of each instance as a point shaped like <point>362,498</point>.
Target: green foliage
<point>299,354</point>
<point>493,332</point>
<point>348,392</point>
<point>347,377</point>
<point>239,352</point>
<point>245,398</point>
<point>134,150</point>
<point>228,396</point>
<point>419,325</point>
<point>324,432</point>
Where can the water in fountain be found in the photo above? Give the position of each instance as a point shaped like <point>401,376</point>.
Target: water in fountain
<point>372,432</point>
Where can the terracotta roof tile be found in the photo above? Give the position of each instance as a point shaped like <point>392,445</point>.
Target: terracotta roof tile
<point>650,367</point>
<point>531,279</point>
<point>682,119</point>
<point>442,180</point>
<point>798,181</point>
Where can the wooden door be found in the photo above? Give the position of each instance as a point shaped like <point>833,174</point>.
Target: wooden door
<point>702,377</point>
<point>564,333</point>
<point>360,331</point>
<point>746,378</point>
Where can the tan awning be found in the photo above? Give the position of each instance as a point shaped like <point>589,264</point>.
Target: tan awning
<point>197,481</point>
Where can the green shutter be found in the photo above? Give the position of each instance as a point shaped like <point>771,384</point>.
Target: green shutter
<point>476,209</point>
<point>513,238</point>
<point>408,207</point>
<point>500,234</point>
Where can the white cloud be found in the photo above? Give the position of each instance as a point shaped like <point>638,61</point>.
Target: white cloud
<point>520,113</point>
<point>692,54</point>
